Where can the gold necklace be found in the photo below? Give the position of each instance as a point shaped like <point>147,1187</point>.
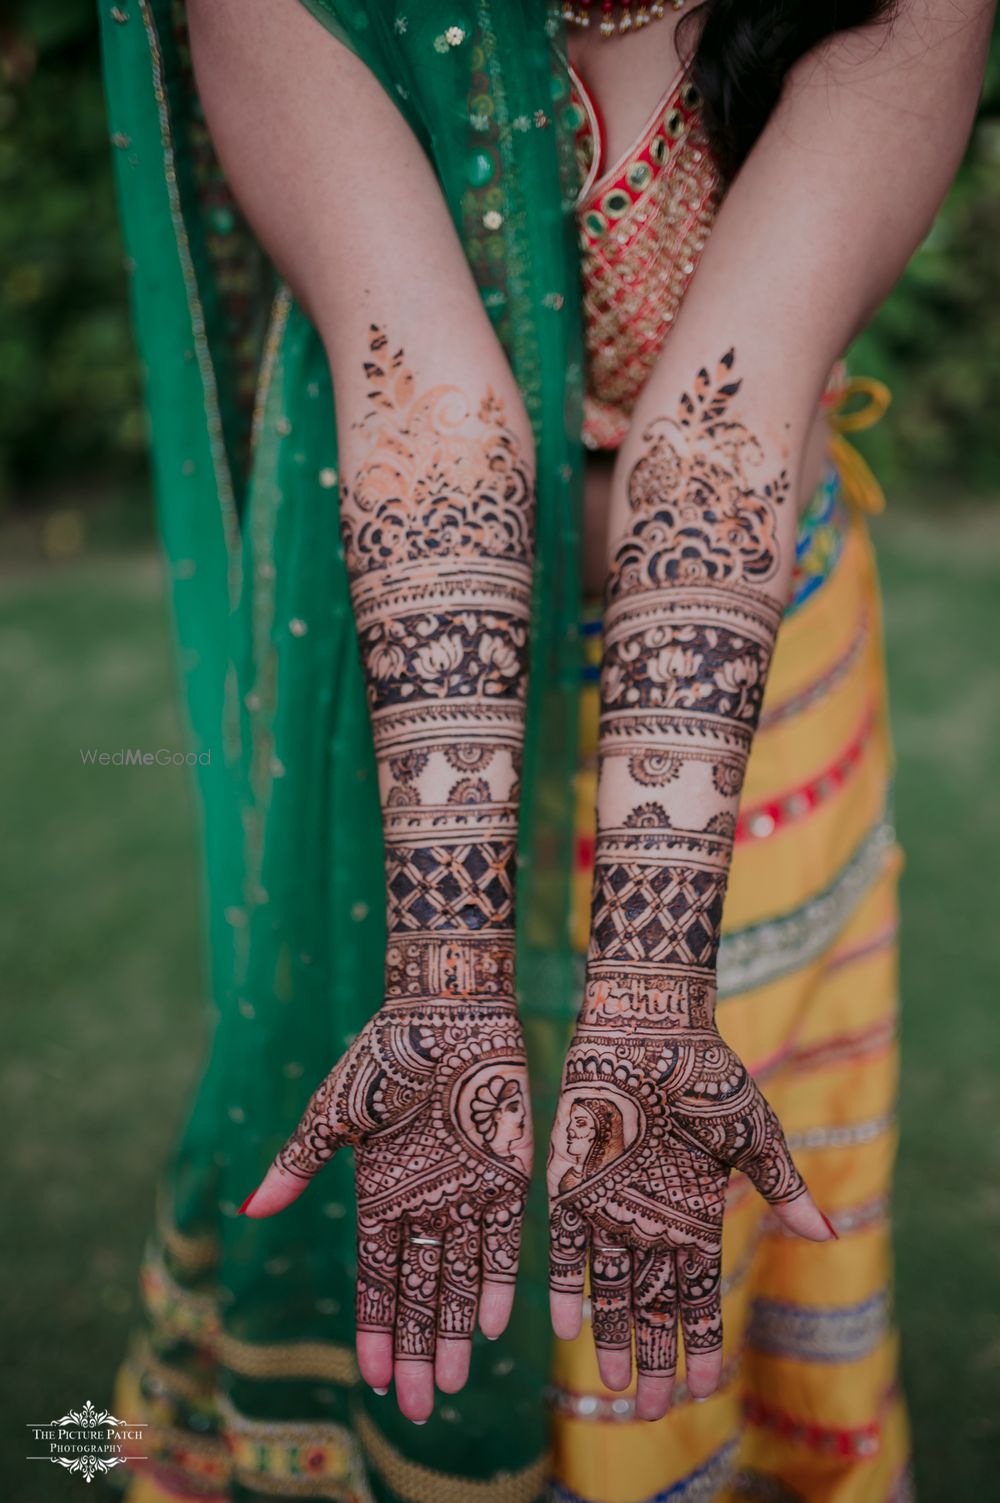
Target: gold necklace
<point>616,19</point>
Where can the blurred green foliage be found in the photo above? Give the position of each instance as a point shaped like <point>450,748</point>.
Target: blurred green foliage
<point>71,417</point>
<point>936,341</point>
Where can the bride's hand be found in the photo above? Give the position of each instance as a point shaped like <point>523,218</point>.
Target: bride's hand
<point>435,1101</point>
<point>651,1121</point>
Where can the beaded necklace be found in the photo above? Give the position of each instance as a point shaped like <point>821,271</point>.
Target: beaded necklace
<point>617,16</point>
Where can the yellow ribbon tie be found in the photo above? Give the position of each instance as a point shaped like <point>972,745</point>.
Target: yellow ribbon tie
<point>861,488</point>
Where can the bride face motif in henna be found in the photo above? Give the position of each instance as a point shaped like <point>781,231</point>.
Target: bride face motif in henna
<point>595,1137</point>
<point>656,1110</point>
<point>437,528</point>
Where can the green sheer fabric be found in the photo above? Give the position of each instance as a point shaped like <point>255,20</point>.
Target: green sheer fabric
<point>245,454</point>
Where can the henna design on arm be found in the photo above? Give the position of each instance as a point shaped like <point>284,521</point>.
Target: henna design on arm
<point>437,525</point>
<point>694,601</point>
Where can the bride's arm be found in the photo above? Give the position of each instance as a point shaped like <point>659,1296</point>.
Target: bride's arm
<point>812,235</point>
<point>437,511</point>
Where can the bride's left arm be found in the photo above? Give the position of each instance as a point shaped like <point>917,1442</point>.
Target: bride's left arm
<point>815,230</point>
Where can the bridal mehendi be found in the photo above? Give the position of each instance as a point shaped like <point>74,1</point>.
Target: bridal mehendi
<point>437,528</point>
<point>656,1109</point>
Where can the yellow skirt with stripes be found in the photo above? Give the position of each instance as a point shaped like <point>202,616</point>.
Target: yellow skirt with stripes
<point>809,1408</point>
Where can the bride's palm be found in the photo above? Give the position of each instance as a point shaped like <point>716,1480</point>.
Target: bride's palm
<point>650,1125</point>
<point>435,1101</point>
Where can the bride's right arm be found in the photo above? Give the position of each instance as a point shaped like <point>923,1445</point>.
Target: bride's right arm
<point>436,459</point>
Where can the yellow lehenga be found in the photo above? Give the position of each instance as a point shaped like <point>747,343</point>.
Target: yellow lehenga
<point>809,1408</point>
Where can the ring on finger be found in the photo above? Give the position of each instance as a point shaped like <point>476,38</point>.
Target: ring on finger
<point>427,1241</point>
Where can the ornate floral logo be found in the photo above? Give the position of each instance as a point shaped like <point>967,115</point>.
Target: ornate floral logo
<point>88,1441</point>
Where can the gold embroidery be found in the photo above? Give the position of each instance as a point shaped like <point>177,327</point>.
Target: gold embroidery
<point>177,1311</point>
<point>169,1379</point>
<point>188,1316</point>
<point>194,1253</point>
<point>274,1485</point>
<point>295,1458</point>
<point>422,1484</point>
<point>292,1359</point>
<point>277,322</point>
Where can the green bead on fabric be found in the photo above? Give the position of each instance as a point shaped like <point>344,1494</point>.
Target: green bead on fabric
<point>480,169</point>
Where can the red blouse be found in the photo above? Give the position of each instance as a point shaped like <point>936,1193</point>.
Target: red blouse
<point>643,222</point>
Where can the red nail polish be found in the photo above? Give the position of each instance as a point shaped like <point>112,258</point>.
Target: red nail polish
<point>830,1227</point>
<point>250,1197</point>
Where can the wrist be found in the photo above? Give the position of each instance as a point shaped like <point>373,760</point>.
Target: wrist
<point>637,997</point>
<point>456,969</point>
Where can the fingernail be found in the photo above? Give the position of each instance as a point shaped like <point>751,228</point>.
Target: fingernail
<point>420,1422</point>
<point>830,1227</point>
<point>242,1209</point>
<point>380,1391</point>
<point>491,1338</point>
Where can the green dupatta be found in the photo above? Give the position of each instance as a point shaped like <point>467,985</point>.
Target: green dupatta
<point>245,456</point>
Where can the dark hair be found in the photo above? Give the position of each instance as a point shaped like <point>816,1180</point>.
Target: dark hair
<point>743,51</point>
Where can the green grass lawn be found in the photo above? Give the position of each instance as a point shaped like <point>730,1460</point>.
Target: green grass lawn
<point>100,955</point>
<point>941,576</point>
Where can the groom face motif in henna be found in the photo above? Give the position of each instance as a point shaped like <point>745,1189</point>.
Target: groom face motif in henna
<point>437,526</point>
<point>689,630</point>
<point>499,1114</point>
